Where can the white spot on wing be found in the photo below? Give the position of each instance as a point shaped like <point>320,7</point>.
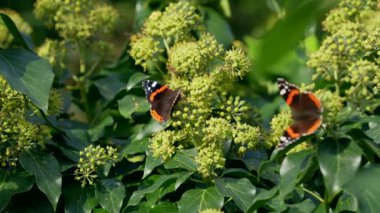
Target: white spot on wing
<point>154,84</point>
<point>282,92</point>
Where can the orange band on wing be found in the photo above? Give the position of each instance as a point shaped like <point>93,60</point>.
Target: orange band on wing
<point>153,94</point>
<point>156,116</point>
<point>291,95</point>
<point>292,134</point>
<point>314,127</point>
<point>315,100</point>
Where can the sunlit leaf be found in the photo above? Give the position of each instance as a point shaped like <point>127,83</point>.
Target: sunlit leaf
<point>27,73</point>
<point>46,171</point>
<point>131,103</point>
<point>13,182</point>
<point>110,194</point>
<point>293,168</point>
<point>195,200</point>
<point>365,186</point>
<point>338,162</point>
<point>78,199</point>
<point>240,190</point>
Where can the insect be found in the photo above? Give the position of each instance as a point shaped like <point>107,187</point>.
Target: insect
<point>161,99</point>
<point>306,112</point>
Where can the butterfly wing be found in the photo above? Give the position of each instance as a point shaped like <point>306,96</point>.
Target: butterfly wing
<point>306,112</point>
<point>162,104</point>
<point>300,128</point>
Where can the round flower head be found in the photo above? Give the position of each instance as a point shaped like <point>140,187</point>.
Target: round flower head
<point>16,132</point>
<point>278,124</point>
<point>162,144</point>
<point>175,23</point>
<point>90,159</point>
<point>144,49</point>
<point>209,158</point>
<point>246,136</point>
<point>53,51</point>
<point>236,63</point>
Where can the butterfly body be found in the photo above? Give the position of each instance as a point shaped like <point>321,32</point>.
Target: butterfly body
<point>306,112</point>
<point>161,99</point>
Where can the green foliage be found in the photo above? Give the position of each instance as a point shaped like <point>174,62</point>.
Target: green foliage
<point>76,134</point>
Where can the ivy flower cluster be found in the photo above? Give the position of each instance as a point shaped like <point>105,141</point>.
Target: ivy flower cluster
<point>349,57</point>
<point>207,117</point>
<point>278,125</point>
<point>82,24</point>
<point>17,133</point>
<point>5,37</point>
<point>91,158</point>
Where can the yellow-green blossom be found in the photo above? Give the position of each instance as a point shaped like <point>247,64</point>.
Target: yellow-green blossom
<point>162,144</point>
<point>53,51</point>
<point>300,147</point>
<point>144,49</point>
<point>209,158</point>
<point>349,56</point>
<point>218,130</point>
<point>90,159</point>
<point>190,58</point>
<point>232,108</point>
<point>278,124</point>
<point>332,104</point>
<point>185,59</point>
<point>236,63</point>
<point>246,136</point>
<point>55,102</point>
<point>17,133</point>
<point>77,19</point>
<point>204,72</point>
<point>175,23</point>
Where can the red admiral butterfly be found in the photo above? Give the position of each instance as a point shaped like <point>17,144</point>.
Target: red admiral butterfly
<point>306,112</point>
<point>161,99</point>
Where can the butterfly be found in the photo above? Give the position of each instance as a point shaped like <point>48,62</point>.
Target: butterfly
<point>306,112</point>
<point>161,99</point>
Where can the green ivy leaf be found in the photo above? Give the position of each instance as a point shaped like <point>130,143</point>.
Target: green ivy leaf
<point>153,198</point>
<point>365,186</point>
<point>78,199</point>
<point>110,85</point>
<point>97,131</point>
<point>262,198</point>
<point>306,206</point>
<point>18,39</point>
<point>374,131</point>
<point>164,207</point>
<point>158,183</point>
<point>135,79</point>
<point>338,161</point>
<point>132,147</point>
<point>240,190</point>
<point>218,26</point>
<point>195,200</point>
<point>131,103</point>
<point>110,194</point>
<point>150,164</point>
<point>27,73</point>
<point>293,168</point>
<point>346,202</point>
<point>183,159</point>
<point>46,171</point>
<point>13,182</point>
